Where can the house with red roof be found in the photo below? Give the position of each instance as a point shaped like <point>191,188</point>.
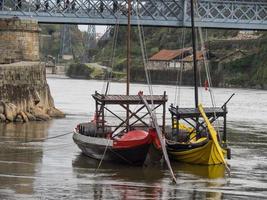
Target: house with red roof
<point>173,59</point>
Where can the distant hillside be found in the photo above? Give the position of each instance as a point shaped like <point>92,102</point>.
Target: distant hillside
<point>247,70</point>
<point>155,40</point>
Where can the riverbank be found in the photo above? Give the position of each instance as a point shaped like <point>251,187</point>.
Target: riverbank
<point>167,77</point>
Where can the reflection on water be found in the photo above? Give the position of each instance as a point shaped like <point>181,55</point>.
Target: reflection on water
<point>147,179</point>
<point>125,173</point>
<point>56,169</point>
<point>18,158</point>
<point>23,131</point>
<point>203,171</point>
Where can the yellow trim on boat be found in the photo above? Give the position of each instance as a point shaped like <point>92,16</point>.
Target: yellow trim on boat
<point>210,153</point>
<point>212,133</point>
<point>207,155</point>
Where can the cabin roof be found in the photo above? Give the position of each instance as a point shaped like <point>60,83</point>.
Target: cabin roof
<point>129,99</point>
<point>194,112</point>
<point>167,55</point>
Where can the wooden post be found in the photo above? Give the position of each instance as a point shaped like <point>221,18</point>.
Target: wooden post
<point>164,114</point>
<point>177,121</point>
<point>172,125</point>
<point>193,31</point>
<point>103,118</point>
<point>224,125</point>
<point>96,114</point>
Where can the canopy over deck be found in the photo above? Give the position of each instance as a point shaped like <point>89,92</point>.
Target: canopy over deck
<point>133,117</point>
<point>194,112</point>
<point>129,99</point>
<point>192,115</point>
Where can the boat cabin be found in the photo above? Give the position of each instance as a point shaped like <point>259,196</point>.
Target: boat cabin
<point>193,118</point>
<point>134,118</point>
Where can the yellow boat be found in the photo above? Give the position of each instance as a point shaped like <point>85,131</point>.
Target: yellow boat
<point>188,145</point>
<point>206,154</point>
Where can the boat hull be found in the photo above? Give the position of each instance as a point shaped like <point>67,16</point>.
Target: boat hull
<point>102,148</point>
<point>207,154</point>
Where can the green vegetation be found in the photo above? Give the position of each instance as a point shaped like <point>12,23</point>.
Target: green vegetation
<point>78,70</point>
<point>92,71</point>
<point>249,70</point>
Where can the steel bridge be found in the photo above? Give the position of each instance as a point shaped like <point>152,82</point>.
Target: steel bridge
<point>239,14</point>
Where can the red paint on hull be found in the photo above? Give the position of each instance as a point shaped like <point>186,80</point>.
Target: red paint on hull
<point>132,139</point>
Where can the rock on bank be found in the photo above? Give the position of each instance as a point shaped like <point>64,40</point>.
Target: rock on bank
<point>24,92</point>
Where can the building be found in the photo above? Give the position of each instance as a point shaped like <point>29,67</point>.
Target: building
<point>174,59</point>
<point>187,62</point>
<point>168,59</point>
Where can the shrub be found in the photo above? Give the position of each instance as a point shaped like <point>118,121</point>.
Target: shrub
<point>79,70</point>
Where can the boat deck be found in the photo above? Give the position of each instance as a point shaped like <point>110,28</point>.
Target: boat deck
<point>194,112</point>
<point>129,99</point>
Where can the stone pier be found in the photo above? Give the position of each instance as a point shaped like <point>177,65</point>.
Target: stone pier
<point>24,92</point>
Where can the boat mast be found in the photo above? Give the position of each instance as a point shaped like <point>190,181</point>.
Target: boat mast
<point>128,61</point>
<point>128,48</point>
<point>194,52</point>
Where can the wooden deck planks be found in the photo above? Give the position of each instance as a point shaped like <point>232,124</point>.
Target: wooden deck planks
<point>129,99</point>
<point>194,112</point>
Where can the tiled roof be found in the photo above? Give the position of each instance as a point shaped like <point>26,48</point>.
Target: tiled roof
<point>167,55</point>
<point>190,58</point>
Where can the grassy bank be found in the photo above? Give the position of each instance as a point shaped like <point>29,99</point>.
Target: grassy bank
<point>93,71</point>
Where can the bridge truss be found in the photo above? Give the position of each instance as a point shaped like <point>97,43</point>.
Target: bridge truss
<point>243,14</point>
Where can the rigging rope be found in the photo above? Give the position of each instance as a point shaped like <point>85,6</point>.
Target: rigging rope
<point>151,109</point>
<point>177,97</point>
<point>207,70</point>
<point>144,53</point>
<point>145,58</point>
<point>114,46</point>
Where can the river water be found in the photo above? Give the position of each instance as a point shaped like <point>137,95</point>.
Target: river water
<point>56,169</point>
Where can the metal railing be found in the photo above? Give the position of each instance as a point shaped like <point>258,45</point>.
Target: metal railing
<point>243,14</point>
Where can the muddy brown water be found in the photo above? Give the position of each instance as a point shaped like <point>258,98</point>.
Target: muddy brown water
<point>56,169</point>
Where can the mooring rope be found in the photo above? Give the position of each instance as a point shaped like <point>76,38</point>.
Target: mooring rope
<point>48,138</point>
<point>37,151</point>
<point>38,140</point>
<point>102,158</point>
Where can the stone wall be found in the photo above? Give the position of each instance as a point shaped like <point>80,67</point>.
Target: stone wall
<point>25,94</point>
<point>19,40</point>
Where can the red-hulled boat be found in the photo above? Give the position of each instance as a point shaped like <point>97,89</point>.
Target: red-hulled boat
<point>129,141</point>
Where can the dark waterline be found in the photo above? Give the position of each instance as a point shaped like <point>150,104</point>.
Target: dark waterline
<point>55,169</point>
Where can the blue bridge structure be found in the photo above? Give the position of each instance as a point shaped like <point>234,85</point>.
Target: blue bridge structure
<point>237,14</point>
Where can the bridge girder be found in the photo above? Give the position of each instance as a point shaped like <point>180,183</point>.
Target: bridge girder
<point>240,14</point>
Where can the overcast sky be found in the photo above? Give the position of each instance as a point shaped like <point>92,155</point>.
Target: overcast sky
<point>99,29</point>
